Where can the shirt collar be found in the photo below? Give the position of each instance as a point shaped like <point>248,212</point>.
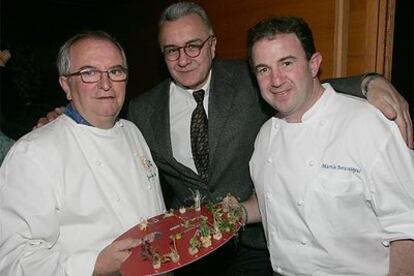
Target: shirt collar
<point>320,104</point>
<point>205,87</point>
<point>75,115</point>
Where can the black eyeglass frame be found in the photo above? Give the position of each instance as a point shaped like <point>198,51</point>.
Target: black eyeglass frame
<point>177,50</point>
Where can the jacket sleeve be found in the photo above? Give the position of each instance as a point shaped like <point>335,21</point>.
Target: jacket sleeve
<point>30,222</point>
<point>348,85</point>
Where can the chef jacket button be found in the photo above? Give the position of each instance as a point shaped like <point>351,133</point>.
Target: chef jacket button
<point>149,187</point>
<point>121,124</point>
<point>279,270</point>
<point>385,243</point>
<point>304,241</point>
<point>269,160</point>
<point>98,163</point>
<point>311,163</point>
<point>299,202</point>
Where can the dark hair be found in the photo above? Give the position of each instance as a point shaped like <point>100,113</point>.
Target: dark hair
<point>63,59</point>
<point>269,28</point>
<point>181,9</point>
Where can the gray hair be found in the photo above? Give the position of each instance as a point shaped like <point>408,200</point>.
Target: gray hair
<point>180,9</point>
<point>63,59</point>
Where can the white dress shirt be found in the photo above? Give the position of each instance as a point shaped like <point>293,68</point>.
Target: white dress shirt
<point>67,190</point>
<point>335,189</point>
<point>182,105</point>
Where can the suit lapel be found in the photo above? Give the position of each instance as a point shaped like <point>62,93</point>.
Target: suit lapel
<point>161,121</point>
<point>221,100</point>
<point>161,128</point>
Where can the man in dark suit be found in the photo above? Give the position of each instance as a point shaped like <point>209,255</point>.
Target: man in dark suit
<point>235,113</point>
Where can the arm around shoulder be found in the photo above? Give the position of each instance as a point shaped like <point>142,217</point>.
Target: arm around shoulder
<point>348,85</point>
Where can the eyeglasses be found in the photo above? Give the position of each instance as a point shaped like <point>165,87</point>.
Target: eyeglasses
<point>92,75</point>
<point>192,50</point>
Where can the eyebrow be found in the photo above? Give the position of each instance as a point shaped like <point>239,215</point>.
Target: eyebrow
<point>86,67</point>
<point>278,61</point>
<point>95,68</point>
<point>287,57</point>
<point>260,66</point>
<point>188,42</point>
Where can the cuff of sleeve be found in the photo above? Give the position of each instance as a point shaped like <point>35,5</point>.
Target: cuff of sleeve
<point>398,227</point>
<point>367,80</point>
<point>245,216</point>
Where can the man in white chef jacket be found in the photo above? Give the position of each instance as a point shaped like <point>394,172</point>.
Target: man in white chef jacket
<point>68,189</point>
<point>334,179</point>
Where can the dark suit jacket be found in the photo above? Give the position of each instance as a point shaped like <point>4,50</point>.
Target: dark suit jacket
<point>236,112</point>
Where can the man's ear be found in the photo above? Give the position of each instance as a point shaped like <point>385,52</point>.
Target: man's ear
<point>213,47</point>
<point>315,63</point>
<point>64,83</point>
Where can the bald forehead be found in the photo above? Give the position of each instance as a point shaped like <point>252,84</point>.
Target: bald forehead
<point>93,51</point>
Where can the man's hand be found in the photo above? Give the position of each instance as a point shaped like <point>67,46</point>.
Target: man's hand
<point>50,117</point>
<point>111,257</point>
<point>250,208</point>
<point>385,97</point>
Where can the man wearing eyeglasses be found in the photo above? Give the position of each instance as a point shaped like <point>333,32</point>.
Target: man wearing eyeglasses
<point>68,189</point>
<point>235,113</point>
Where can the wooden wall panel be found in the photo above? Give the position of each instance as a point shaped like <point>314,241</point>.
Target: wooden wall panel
<point>357,38</point>
<point>231,20</point>
<point>341,38</point>
<point>385,41</point>
<point>371,36</point>
<point>354,36</point>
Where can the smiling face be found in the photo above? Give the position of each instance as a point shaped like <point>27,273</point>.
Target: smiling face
<point>99,103</point>
<point>186,71</point>
<point>287,80</point>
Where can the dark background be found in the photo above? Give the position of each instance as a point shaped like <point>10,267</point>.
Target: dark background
<point>403,58</point>
<point>33,32</point>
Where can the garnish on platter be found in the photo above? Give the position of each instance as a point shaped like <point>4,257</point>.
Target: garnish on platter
<point>181,236</point>
<point>143,225</point>
<point>194,243</point>
<point>197,198</point>
<point>169,213</point>
<point>182,210</point>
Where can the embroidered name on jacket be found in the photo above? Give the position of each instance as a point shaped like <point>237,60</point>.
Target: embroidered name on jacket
<point>340,168</point>
<point>149,167</point>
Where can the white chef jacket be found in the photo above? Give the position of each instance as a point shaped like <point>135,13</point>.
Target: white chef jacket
<point>335,189</point>
<point>67,190</point>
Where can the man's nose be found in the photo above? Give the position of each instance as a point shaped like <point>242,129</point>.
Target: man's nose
<point>278,77</point>
<point>183,59</point>
<point>105,82</point>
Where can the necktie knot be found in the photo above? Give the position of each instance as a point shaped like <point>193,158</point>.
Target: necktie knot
<point>199,96</point>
